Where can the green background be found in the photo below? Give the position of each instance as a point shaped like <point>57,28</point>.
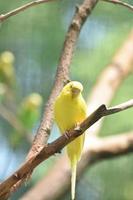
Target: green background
<point>36,37</point>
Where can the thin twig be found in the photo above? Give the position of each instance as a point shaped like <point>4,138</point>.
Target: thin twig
<point>120,107</point>
<point>122,3</point>
<point>22,8</point>
<point>103,111</point>
<point>58,144</point>
<point>15,123</point>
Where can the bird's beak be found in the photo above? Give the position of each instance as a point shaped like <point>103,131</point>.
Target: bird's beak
<point>75,91</point>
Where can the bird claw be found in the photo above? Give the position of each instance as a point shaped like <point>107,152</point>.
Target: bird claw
<point>59,151</point>
<point>77,127</point>
<point>67,134</point>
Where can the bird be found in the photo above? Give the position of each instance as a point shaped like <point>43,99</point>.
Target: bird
<point>69,111</point>
<point>28,114</point>
<point>7,71</point>
<point>29,110</point>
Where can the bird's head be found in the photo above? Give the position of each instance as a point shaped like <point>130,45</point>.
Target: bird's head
<point>73,88</point>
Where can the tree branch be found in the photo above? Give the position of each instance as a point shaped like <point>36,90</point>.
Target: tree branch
<point>122,3</point>
<point>58,144</point>
<point>5,16</point>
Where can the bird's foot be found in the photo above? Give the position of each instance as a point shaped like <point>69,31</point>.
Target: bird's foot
<point>59,152</point>
<point>77,127</point>
<point>67,134</point>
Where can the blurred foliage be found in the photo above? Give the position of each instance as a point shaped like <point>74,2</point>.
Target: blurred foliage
<point>31,43</point>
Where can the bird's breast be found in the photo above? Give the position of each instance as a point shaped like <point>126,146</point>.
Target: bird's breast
<point>68,113</point>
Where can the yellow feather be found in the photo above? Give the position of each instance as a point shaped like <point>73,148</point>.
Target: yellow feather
<point>69,110</point>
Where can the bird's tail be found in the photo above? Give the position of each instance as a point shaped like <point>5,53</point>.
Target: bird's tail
<point>73,179</point>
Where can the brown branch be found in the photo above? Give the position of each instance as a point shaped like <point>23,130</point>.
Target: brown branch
<point>99,149</point>
<point>58,144</point>
<point>108,83</point>
<point>5,16</point>
<point>122,3</point>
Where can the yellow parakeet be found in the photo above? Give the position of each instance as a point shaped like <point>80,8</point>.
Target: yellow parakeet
<point>7,73</point>
<point>69,110</point>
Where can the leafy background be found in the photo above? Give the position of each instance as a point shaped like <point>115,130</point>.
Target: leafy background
<point>35,37</point>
